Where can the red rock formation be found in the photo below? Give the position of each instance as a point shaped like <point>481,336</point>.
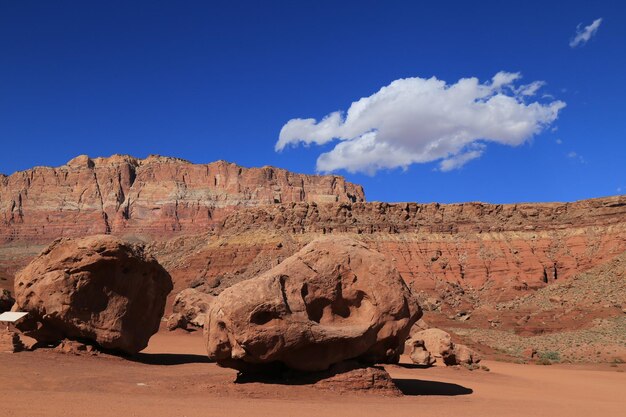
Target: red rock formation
<point>334,300</point>
<point>97,288</point>
<point>156,196</point>
<point>460,253</point>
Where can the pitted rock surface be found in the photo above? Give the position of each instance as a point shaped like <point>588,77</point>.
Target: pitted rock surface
<point>334,300</point>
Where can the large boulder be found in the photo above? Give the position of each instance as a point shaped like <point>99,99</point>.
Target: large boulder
<point>190,308</point>
<point>334,300</point>
<point>97,288</point>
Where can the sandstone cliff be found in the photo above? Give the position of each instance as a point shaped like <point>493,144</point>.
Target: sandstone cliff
<point>155,197</point>
<point>461,254</point>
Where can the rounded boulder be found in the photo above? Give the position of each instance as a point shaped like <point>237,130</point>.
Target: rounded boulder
<point>99,289</point>
<point>334,300</point>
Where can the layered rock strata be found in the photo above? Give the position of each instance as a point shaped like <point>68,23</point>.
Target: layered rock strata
<point>454,257</point>
<point>156,197</point>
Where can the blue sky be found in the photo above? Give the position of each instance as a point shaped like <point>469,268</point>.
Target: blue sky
<point>219,80</point>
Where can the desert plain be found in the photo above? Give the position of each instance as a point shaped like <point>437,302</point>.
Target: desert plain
<point>173,377</point>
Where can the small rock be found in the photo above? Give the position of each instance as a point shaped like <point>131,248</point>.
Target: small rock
<point>465,355</point>
<point>10,342</point>
<point>352,377</point>
<point>420,356</point>
<point>176,321</point>
<point>465,317</point>
<point>494,322</point>
<point>75,348</point>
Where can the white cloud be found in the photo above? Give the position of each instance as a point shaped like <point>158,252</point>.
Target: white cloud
<point>576,156</point>
<point>457,161</point>
<point>583,35</point>
<point>559,141</point>
<point>530,89</point>
<point>418,120</point>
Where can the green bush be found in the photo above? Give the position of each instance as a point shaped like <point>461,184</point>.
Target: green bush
<point>549,357</point>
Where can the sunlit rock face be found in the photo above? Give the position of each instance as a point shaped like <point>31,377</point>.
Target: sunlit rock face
<point>334,300</point>
<point>157,196</point>
<point>98,288</point>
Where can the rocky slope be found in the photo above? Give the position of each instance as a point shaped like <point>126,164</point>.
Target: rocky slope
<point>154,197</point>
<point>454,256</point>
<point>580,318</point>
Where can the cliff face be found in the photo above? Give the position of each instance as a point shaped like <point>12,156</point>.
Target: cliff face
<point>462,254</point>
<point>398,218</point>
<point>155,197</point>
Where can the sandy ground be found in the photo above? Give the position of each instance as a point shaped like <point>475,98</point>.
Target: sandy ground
<point>173,378</point>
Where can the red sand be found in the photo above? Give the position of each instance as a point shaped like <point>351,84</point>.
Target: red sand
<point>173,378</point>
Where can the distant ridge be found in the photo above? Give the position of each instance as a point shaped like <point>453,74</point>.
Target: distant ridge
<point>158,195</point>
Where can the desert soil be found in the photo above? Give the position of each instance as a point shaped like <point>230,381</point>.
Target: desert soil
<point>173,378</point>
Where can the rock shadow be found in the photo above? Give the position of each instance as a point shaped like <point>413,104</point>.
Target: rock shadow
<point>282,378</point>
<point>168,359</point>
<point>279,374</point>
<point>413,366</point>
<point>415,387</point>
